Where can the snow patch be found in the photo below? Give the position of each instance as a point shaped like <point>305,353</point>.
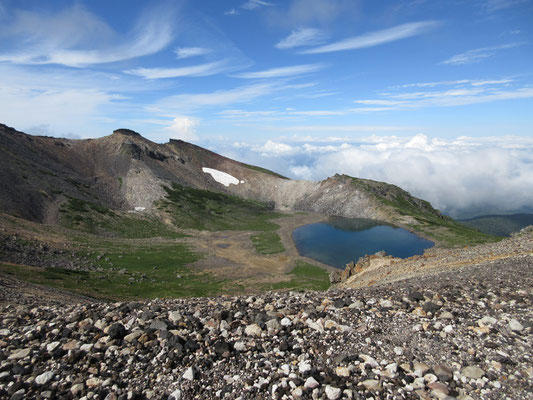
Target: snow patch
<point>221,177</point>
<point>139,209</point>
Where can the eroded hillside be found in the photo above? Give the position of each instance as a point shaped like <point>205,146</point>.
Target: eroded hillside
<point>126,172</point>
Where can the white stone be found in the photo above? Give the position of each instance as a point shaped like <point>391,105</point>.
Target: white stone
<point>385,303</point>
<point>174,316</point>
<point>311,383</point>
<point>317,326</point>
<point>92,382</point>
<point>44,378</point>
<point>240,346</point>
<point>286,322</point>
<point>297,392</point>
<point>371,384</point>
<point>330,324</point>
<point>76,389</point>
<point>487,320</point>
<point>86,347</point>
<point>50,347</point>
<point>472,372</point>
<point>448,329</point>
<point>369,360</point>
<point>515,325</point>
<point>398,351</point>
<point>132,336</point>
<point>188,374</point>
<point>342,371</point>
<point>356,304</point>
<point>333,393</point>
<point>175,395</point>
<point>273,325</point>
<point>253,330</point>
<point>304,366</point>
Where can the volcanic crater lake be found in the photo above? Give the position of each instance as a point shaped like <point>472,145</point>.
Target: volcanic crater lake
<point>338,241</point>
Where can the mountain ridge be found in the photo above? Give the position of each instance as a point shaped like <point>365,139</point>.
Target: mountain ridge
<point>125,171</point>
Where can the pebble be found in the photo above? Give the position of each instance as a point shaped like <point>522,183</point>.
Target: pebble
<point>188,374</point>
<point>311,383</point>
<point>342,371</point>
<point>333,393</point>
<point>253,330</point>
<point>515,325</point>
<point>17,355</point>
<point>472,372</point>
<point>44,378</point>
<point>371,384</point>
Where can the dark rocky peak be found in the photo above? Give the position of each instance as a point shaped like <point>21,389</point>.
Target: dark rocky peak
<point>127,132</point>
<point>7,129</point>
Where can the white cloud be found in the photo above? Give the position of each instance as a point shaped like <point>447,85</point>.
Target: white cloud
<point>312,12</point>
<point>491,82</point>
<point>193,71</point>
<point>62,111</point>
<point>379,102</point>
<point>302,172</point>
<point>376,38</point>
<point>460,176</point>
<point>231,12</point>
<point>75,37</point>
<point>302,37</point>
<point>183,128</point>
<point>477,55</point>
<point>497,5</point>
<point>466,92</point>
<point>282,71</point>
<point>170,104</point>
<point>273,149</point>
<point>253,4</point>
<point>186,52</point>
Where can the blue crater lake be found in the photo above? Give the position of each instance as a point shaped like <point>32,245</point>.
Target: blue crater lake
<point>338,241</point>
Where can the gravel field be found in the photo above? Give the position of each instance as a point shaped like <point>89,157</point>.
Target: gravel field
<point>465,333</point>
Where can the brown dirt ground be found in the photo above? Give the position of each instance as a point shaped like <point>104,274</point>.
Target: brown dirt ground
<point>231,254</point>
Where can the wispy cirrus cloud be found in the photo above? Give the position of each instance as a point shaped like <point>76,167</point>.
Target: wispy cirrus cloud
<point>253,4</point>
<point>478,55</point>
<point>376,38</point>
<point>465,92</point>
<point>282,72</point>
<point>75,37</point>
<point>186,52</point>
<point>472,82</point>
<point>192,101</point>
<point>206,69</point>
<point>498,5</point>
<point>302,37</point>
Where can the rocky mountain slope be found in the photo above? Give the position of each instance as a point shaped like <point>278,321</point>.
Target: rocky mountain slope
<point>124,171</point>
<point>463,334</point>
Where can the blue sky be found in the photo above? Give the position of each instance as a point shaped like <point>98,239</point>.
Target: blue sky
<point>293,85</point>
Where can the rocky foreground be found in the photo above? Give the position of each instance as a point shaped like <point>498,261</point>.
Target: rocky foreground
<point>462,334</point>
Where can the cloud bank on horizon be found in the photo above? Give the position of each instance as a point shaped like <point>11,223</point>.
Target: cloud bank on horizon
<point>257,72</point>
<point>462,177</point>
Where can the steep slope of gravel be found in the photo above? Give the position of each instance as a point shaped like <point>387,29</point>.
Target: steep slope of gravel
<point>463,333</point>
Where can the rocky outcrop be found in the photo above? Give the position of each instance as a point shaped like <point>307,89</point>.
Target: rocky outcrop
<point>380,268</point>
